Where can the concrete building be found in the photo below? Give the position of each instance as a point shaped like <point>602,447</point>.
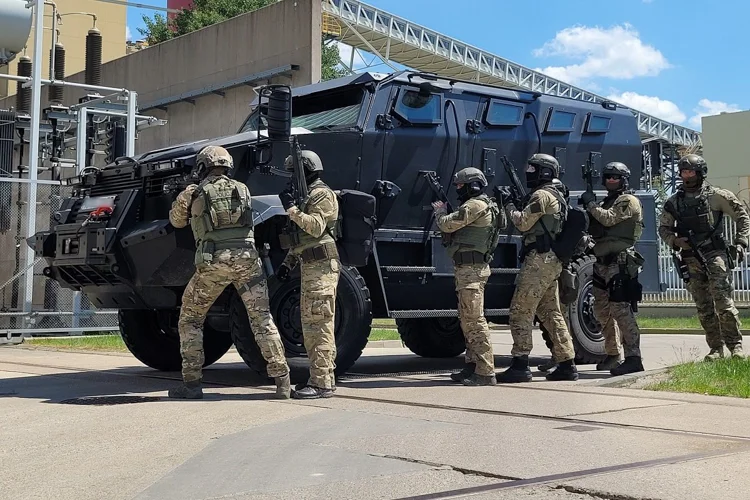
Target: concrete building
<point>111,20</point>
<point>725,150</point>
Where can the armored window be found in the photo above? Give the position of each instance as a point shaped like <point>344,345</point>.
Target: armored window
<point>560,121</point>
<point>505,114</point>
<point>416,108</point>
<point>597,124</point>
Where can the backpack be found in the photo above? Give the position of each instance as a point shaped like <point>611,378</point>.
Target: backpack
<point>356,227</point>
<point>573,239</point>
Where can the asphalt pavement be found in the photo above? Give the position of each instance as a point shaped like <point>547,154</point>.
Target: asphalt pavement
<point>92,426</point>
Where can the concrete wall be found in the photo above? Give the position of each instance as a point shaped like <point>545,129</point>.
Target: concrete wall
<point>111,20</point>
<point>725,150</point>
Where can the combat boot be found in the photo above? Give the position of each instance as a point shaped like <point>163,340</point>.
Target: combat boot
<point>631,364</point>
<point>565,371</point>
<point>609,362</point>
<point>736,351</point>
<point>312,392</point>
<point>714,354</point>
<point>302,385</point>
<point>475,379</point>
<point>466,372</point>
<point>518,372</point>
<point>283,386</point>
<point>189,390</point>
<point>545,367</point>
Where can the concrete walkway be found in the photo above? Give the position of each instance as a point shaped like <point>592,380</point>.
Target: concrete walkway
<point>93,426</point>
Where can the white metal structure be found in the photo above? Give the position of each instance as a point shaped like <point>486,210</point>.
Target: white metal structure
<point>393,38</point>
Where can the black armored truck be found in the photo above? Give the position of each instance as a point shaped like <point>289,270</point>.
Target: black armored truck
<point>399,137</point>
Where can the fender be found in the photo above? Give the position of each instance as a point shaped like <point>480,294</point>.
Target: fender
<point>266,207</point>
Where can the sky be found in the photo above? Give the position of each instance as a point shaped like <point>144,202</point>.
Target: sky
<point>674,59</point>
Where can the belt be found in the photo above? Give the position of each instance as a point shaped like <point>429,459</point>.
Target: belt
<point>471,257</point>
<point>320,252</point>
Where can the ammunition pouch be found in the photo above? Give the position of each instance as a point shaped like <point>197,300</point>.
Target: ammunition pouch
<point>623,288</point>
<point>568,286</point>
<point>321,252</point>
<point>446,239</point>
<point>471,257</point>
<point>289,237</point>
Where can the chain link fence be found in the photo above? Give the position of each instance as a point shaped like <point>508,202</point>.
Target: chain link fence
<point>53,309</point>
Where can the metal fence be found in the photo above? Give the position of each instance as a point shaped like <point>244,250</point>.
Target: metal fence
<point>52,309</point>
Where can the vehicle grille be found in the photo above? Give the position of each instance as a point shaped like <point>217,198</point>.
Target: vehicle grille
<point>88,275</point>
<point>116,184</point>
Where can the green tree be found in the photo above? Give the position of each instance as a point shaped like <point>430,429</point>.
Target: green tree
<point>207,12</point>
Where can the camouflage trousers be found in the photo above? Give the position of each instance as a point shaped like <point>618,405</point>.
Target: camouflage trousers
<point>210,279</point>
<point>320,281</point>
<point>617,318</point>
<point>712,292</point>
<point>537,292</point>
<point>471,280</point>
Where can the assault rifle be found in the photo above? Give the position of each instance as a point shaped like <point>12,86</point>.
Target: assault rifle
<point>298,184</point>
<point>588,175</point>
<point>431,178</point>
<point>680,266</point>
<point>175,185</point>
<point>697,252</point>
<point>519,192</point>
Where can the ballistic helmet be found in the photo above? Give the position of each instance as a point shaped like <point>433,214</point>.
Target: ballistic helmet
<point>695,163</point>
<point>619,169</point>
<point>310,162</point>
<point>469,175</point>
<point>541,168</point>
<point>212,157</point>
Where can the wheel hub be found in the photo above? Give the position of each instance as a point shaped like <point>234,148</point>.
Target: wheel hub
<point>591,327</point>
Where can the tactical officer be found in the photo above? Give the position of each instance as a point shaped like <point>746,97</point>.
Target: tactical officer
<point>691,222</point>
<point>615,226</point>
<point>220,216</point>
<point>471,235</point>
<point>311,241</point>
<point>536,290</point>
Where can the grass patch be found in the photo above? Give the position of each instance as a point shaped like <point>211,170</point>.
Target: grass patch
<point>88,343</point>
<point>724,377</point>
<point>381,334</point>
<point>688,323</point>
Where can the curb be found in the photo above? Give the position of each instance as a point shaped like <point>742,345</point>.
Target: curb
<point>622,380</point>
<point>680,331</point>
<point>387,344</point>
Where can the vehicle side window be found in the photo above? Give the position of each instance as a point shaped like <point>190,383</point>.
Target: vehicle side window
<point>597,124</point>
<point>561,121</point>
<point>504,114</point>
<point>416,108</point>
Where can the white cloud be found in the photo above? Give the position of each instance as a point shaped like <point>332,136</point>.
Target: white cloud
<point>660,108</point>
<point>128,33</point>
<point>707,108</point>
<point>616,52</point>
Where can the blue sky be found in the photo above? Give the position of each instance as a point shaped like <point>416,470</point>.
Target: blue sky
<point>675,59</point>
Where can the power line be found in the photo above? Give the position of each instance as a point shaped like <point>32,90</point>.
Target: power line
<point>140,5</point>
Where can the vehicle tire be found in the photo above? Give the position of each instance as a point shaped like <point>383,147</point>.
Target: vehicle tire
<point>586,331</point>
<point>156,345</point>
<point>432,337</point>
<point>351,325</point>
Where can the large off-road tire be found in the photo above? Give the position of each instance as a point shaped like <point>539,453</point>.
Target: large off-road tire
<point>586,331</point>
<point>432,337</point>
<point>351,325</point>
<point>156,344</point>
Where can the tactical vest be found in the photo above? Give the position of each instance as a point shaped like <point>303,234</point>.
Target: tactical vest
<point>695,214</point>
<point>226,221</point>
<point>475,238</point>
<point>613,240</point>
<point>297,238</point>
<point>552,222</point>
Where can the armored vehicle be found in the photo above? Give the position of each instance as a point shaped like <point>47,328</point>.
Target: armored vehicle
<point>397,136</point>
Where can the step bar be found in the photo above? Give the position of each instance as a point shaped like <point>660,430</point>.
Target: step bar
<point>427,269</point>
<point>441,313</point>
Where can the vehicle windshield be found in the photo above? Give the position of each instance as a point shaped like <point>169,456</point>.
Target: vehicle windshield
<point>324,111</point>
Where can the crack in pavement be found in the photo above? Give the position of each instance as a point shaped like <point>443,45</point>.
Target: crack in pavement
<point>439,466</point>
<point>600,494</point>
<point>616,410</point>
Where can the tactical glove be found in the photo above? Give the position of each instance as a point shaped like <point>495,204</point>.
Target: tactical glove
<point>287,200</point>
<point>586,198</point>
<point>682,243</point>
<point>282,273</point>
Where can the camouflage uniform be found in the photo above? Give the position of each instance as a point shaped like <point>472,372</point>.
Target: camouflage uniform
<point>219,214</point>
<point>616,226</point>
<point>537,287</point>
<point>311,242</point>
<point>700,209</point>
<point>470,234</point>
